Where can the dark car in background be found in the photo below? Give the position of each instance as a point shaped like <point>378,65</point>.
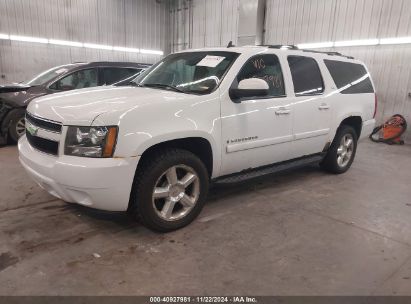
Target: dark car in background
<point>15,98</point>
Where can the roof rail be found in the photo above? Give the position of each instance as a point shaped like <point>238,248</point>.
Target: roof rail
<point>280,46</point>
<point>294,47</point>
<point>328,53</point>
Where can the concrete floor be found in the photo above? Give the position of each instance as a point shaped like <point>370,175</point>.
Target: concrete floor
<point>303,232</point>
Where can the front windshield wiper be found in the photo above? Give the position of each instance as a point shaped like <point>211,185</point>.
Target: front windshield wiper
<point>160,85</point>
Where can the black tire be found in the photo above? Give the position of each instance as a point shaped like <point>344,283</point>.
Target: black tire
<point>330,162</point>
<point>13,119</point>
<point>141,205</point>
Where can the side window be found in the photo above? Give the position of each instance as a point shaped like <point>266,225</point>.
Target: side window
<point>77,80</point>
<point>306,75</point>
<point>350,78</point>
<point>112,75</point>
<point>268,68</point>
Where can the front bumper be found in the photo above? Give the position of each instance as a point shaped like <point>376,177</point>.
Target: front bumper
<point>101,183</point>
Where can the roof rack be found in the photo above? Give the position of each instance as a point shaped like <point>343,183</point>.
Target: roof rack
<point>328,53</point>
<point>280,46</point>
<point>294,47</point>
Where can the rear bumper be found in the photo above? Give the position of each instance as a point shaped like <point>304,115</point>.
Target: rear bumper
<point>367,128</point>
<point>98,183</point>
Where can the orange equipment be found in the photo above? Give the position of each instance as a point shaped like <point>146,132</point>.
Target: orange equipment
<point>391,130</point>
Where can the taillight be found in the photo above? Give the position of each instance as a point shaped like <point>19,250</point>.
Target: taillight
<point>375,106</point>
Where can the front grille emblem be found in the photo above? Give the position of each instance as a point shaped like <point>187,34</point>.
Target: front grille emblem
<point>31,129</point>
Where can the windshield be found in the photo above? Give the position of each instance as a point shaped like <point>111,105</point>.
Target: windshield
<point>47,76</point>
<point>188,72</point>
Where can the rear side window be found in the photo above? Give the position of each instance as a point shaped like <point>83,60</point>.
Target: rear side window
<point>77,80</point>
<point>306,75</point>
<point>268,68</point>
<point>350,78</point>
<point>112,75</point>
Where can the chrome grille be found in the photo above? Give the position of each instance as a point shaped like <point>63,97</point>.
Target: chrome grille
<point>44,123</point>
<point>43,134</point>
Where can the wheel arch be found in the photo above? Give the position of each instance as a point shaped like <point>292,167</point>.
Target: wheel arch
<point>198,145</point>
<point>354,121</point>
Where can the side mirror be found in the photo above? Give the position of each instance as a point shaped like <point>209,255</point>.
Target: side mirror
<point>251,87</point>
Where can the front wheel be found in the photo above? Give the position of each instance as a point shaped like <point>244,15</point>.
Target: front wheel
<point>17,124</point>
<point>169,190</point>
<point>341,154</point>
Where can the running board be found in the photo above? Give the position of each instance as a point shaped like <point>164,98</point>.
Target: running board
<point>270,169</point>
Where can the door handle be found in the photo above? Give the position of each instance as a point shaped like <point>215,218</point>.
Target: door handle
<point>283,111</point>
<point>323,106</point>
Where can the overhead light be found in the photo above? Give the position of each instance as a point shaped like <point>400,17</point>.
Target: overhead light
<point>126,49</point>
<point>318,45</point>
<point>65,42</point>
<point>28,39</point>
<point>399,40</point>
<point>151,52</point>
<point>98,46</point>
<point>79,44</point>
<point>357,42</point>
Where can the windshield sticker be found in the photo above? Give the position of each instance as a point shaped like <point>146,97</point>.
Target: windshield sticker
<point>60,71</point>
<point>211,61</point>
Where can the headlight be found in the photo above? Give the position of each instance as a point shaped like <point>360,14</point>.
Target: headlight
<point>90,141</point>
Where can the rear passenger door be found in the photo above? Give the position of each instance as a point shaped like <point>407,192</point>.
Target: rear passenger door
<point>312,111</point>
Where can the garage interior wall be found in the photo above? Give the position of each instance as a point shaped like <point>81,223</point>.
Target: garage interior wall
<point>198,23</point>
<point>126,23</point>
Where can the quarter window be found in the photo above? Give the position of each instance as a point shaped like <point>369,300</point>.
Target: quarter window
<point>306,75</point>
<point>350,78</point>
<point>77,80</point>
<point>268,68</point>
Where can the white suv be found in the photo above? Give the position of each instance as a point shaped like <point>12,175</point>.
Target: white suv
<point>218,114</point>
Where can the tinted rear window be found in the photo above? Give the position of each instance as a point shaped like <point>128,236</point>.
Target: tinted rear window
<point>306,75</point>
<point>352,78</point>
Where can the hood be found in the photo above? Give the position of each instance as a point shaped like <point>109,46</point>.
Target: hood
<point>19,95</point>
<point>15,87</point>
<point>81,107</point>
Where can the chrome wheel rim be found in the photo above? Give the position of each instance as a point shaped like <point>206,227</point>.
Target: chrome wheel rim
<point>21,127</point>
<point>345,150</point>
<point>176,193</point>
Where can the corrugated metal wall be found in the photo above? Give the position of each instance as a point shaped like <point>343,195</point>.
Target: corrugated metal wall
<point>129,23</point>
<point>298,21</point>
<point>200,23</point>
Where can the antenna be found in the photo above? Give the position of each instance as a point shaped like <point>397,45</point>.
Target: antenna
<point>230,44</point>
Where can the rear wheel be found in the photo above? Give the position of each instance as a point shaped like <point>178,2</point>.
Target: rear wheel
<point>17,124</point>
<point>341,154</point>
<point>169,190</point>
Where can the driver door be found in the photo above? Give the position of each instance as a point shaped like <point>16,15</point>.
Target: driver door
<point>257,131</point>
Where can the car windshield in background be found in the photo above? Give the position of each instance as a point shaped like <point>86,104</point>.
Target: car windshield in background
<point>47,76</point>
<point>188,72</point>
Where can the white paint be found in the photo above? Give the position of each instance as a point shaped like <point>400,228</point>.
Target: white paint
<point>253,84</point>
<point>243,135</point>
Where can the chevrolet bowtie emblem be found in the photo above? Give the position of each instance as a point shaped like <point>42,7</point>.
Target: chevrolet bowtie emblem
<point>31,129</point>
